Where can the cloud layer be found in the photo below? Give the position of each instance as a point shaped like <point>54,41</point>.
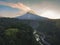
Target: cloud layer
<point>17,5</point>
<point>23,9</point>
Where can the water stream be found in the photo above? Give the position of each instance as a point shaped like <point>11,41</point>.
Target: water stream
<point>40,38</point>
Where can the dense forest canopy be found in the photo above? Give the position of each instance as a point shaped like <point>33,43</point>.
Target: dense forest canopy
<point>18,32</point>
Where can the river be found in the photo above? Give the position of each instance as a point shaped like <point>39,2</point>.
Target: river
<point>40,37</point>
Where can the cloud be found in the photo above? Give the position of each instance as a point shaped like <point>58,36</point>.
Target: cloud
<point>23,9</point>
<point>17,5</point>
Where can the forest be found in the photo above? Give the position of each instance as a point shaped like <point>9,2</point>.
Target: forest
<point>17,32</point>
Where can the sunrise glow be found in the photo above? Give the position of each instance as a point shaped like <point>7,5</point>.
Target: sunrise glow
<point>49,14</point>
<point>45,9</point>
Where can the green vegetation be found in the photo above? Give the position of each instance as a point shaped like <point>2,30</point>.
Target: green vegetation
<point>14,32</point>
<point>11,31</point>
<point>18,32</point>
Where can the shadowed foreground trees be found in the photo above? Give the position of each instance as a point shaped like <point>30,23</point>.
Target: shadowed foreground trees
<point>16,33</point>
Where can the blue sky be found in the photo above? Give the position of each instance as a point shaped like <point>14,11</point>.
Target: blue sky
<point>42,7</point>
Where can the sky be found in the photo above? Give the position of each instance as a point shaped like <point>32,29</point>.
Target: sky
<point>45,8</point>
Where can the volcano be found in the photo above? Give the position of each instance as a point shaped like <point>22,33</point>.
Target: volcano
<point>31,16</point>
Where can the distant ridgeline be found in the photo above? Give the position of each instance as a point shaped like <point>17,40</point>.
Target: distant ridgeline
<point>14,31</point>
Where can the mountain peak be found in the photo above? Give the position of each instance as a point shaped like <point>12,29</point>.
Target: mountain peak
<point>31,12</point>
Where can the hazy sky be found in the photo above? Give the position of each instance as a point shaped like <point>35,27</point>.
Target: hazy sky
<point>45,8</point>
